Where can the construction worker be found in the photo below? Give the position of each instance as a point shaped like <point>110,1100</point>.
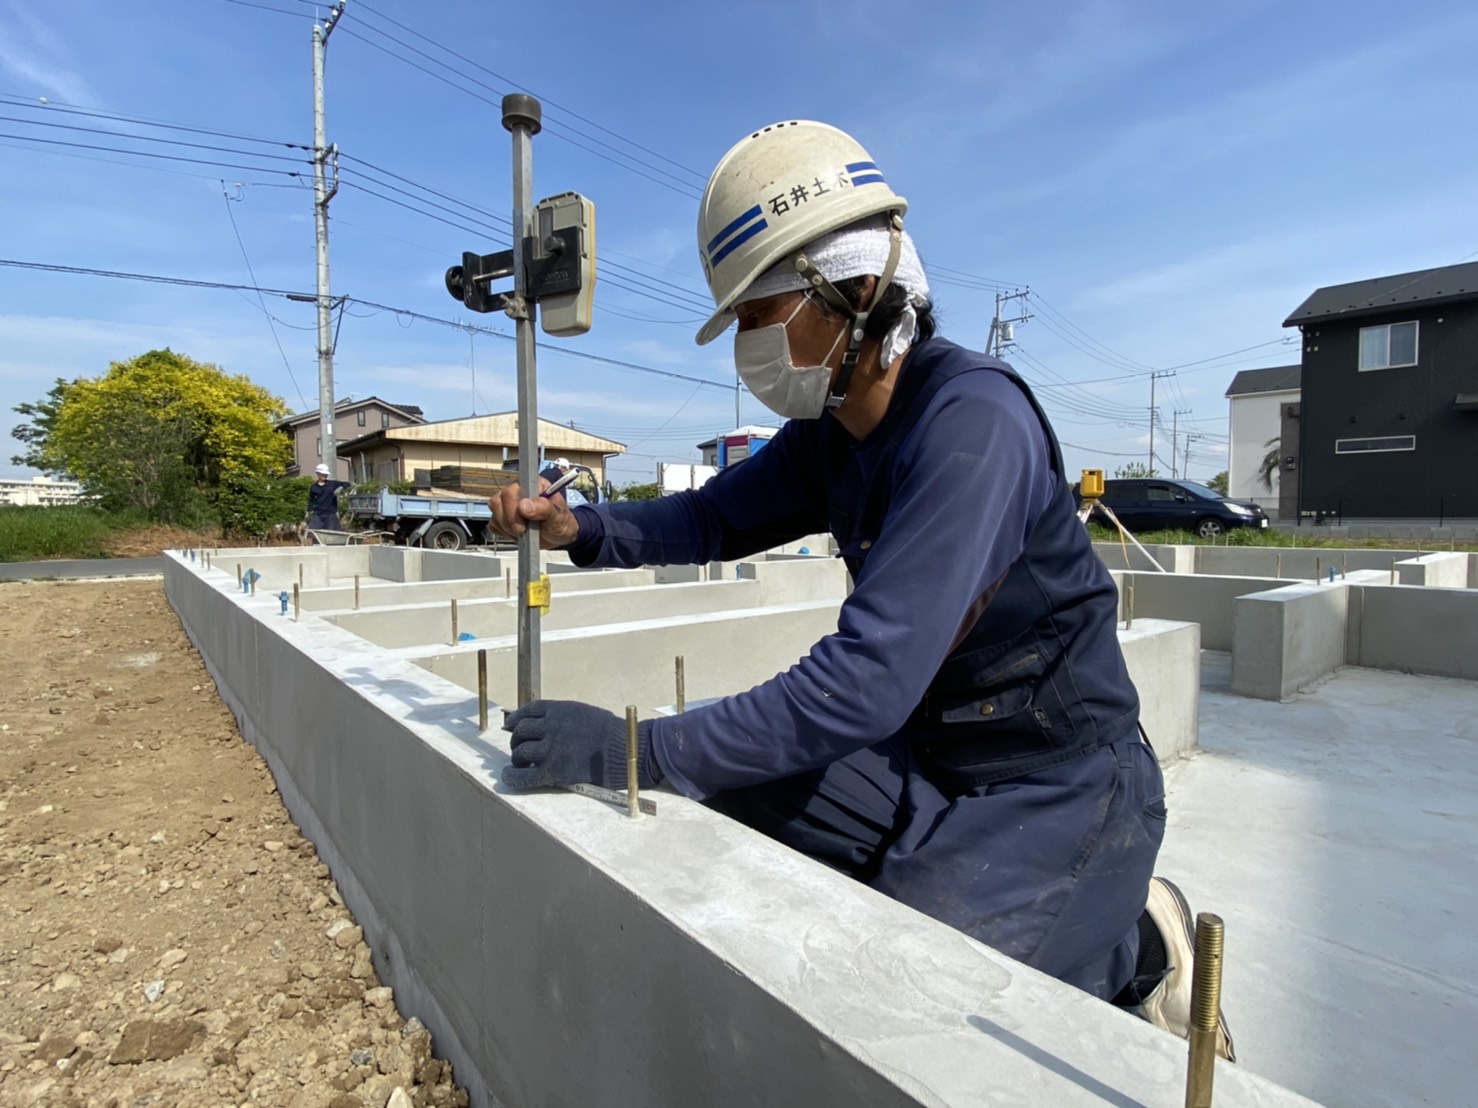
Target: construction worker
<point>323,501</point>
<point>967,740</point>
<point>556,469</point>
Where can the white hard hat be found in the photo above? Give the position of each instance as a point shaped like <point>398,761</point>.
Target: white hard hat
<point>771,194</point>
<point>320,468</point>
<point>563,463</point>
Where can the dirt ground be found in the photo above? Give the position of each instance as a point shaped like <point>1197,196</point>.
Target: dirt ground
<point>167,936</point>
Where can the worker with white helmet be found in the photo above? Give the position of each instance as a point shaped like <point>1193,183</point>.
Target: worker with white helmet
<point>323,500</point>
<point>967,740</point>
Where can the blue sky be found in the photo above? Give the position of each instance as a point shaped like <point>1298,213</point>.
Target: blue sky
<point>1170,180</point>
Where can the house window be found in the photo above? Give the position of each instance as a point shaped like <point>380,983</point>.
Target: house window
<point>1392,344</point>
<point>1381,445</point>
<point>360,415</point>
<point>384,420</point>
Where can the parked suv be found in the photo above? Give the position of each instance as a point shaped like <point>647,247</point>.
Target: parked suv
<point>1159,504</point>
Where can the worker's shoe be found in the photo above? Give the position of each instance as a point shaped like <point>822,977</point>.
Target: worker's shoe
<point>1168,1005</point>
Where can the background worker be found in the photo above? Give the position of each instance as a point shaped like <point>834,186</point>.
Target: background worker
<point>967,740</point>
<point>323,501</point>
<point>556,469</point>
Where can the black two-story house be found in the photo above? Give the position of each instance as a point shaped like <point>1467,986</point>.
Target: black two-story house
<point>1388,419</point>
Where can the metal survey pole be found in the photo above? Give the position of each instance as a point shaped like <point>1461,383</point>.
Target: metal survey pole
<point>522,117</point>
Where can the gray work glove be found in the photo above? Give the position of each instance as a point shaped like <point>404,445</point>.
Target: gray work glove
<point>564,742</point>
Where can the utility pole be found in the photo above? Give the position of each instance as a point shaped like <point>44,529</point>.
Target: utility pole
<point>1002,330</point>
<point>322,194</point>
<point>1174,436</point>
<point>1185,470</point>
<point>1155,375</point>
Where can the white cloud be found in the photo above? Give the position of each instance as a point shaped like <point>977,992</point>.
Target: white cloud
<point>31,51</point>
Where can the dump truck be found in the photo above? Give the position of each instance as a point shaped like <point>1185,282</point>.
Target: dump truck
<point>438,522</point>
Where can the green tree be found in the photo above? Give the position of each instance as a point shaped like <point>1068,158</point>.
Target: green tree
<point>1136,469</point>
<point>159,434</point>
<point>34,434</point>
<point>637,491</point>
<point>1220,483</point>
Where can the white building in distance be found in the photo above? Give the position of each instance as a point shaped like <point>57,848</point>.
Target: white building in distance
<point>39,491</point>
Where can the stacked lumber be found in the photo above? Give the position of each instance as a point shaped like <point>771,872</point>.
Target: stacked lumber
<point>478,481</point>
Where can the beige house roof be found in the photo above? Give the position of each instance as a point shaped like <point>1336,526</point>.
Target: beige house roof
<point>501,429</point>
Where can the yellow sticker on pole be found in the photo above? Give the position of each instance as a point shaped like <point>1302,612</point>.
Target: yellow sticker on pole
<point>539,593</point>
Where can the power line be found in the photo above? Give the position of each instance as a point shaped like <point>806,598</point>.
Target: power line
<point>262,302</point>
<point>545,101</point>
<point>406,313</point>
<point>625,278</point>
<point>552,128</point>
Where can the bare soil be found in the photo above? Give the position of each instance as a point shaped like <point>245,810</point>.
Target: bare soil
<point>167,936</point>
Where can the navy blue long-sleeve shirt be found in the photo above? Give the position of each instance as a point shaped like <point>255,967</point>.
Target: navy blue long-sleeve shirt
<point>967,484</point>
<point>323,500</point>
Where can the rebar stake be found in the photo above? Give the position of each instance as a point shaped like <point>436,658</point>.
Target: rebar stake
<point>296,590</point>
<point>454,622</point>
<point>240,582</point>
<point>507,583</point>
<point>356,592</point>
<point>300,575</point>
<point>1319,571</point>
<point>1205,1010</point>
<point>482,690</point>
<point>1278,565</point>
<point>1129,606</point>
<point>682,686</point>
<point>633,802</point>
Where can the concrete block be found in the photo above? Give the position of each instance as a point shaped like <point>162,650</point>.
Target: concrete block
<point>1287,638</point>
<point>1164,662</point>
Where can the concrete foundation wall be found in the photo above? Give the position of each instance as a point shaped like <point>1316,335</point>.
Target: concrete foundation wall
<point>562,954</point>
<point>1207,601</point>
<point>1126,556</point>
<point>1442,571</point>
<point>635,662</point>
<point>1164,662</point>
<point>1287,638</point>
<point>788,580</point>
<point>379,593</point>
<point>430,624</point>
<point>1433,631</point>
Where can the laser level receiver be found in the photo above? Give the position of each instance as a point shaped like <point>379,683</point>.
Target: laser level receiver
<point>559,268</point>
<point>563,253</point>
<point>1091,487</point>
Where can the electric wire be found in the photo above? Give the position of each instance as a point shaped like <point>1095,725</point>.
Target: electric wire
<point>622,277</point>
<point>399,313</point>
<point>699,178</point>
<point>260,299</point>
<point>552,129</point>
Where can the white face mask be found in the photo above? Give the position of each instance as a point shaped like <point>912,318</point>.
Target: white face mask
<point>762,357</point>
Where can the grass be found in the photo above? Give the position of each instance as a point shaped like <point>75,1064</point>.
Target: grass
<point>1247,536</point>
<point>32,533</point>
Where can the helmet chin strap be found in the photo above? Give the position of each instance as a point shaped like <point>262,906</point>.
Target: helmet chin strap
<point>858,327</point>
